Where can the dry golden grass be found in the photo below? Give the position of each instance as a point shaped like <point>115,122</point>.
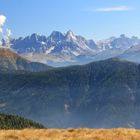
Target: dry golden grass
<point>70,134</point>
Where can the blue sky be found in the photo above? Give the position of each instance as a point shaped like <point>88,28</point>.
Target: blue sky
<point>95,19</point>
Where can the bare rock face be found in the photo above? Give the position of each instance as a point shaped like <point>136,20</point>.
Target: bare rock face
<point>60,49</point>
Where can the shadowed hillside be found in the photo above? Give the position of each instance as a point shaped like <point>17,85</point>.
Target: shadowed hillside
<point>102,94</point>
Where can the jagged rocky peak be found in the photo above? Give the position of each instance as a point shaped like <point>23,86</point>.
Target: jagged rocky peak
<point>56,36</point>
<point>92,44</point>
<point>34,37</point>
<point>135,38</point>
<point>122,36</point>
<point>133,49</point>
<point>70,36</point>
<point>68,46</point>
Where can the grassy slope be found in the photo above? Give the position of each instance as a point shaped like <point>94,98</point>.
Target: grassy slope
<point>71,134</point>
<point>12,61</point>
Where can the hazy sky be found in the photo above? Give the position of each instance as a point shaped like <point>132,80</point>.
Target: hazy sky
<point>96,19</point>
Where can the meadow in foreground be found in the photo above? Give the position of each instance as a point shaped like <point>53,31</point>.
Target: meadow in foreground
<point>70,134</point>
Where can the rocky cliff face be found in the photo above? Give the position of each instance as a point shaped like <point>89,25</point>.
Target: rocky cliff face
<point>60,49</point>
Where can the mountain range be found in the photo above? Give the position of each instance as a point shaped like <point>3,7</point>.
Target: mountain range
<point>102,94</point>
<point>60,49</point>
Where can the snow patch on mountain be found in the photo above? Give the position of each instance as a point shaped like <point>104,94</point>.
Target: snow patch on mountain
<point>68,47</point>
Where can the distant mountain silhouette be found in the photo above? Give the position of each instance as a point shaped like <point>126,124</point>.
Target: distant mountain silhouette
<point>60,49</point>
